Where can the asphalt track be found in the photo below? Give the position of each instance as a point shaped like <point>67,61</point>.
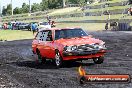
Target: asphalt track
<point>19,70</point>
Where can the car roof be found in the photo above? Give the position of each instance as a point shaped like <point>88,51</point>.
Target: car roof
<point>59,28</point>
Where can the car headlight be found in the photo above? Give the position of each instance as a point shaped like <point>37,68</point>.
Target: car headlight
<point>70,48</point>
<point>99,46</point>
<point>103,45</point>
<point>74,47</point>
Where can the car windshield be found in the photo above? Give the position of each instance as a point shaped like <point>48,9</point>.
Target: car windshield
<point>69,33</point>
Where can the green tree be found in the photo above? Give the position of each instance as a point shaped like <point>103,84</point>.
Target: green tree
<point>55,4</point>
<point>9,9</point>
<point>80,2</point>
<point>25,8</point>
<point>44,5</point>
<point>4,11</point>
<point>36,7</point>
<point>17,10</point>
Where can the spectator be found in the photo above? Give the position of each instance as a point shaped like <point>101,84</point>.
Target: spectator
<point>9,26</point>
<point>106,26</point>
<point>130,11</point>
<point>53,24</point>
<point>13,24</point>
<point>34,27</point>
<point>48,18</point>
<point>5,25</point>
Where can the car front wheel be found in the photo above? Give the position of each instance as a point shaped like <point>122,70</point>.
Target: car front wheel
<point>58,59</point>
<point>98,60</point>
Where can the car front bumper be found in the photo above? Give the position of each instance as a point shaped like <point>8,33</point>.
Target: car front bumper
<point>82,53</point>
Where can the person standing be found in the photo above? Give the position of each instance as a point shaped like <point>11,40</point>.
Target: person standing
<point>5,26</point>
<point>130,11</point>
<point>106,26</point>
<point>34,27</point>
<point>49,19</point>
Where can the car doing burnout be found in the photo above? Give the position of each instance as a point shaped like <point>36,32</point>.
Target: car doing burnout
<point>66,44</point>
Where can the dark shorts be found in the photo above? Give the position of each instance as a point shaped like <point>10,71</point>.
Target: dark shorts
<point>34,31</point>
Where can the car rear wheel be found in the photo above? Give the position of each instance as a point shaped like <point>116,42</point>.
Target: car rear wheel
<point>40,59</point>
<point>58,59</point>
<point>98,60</point>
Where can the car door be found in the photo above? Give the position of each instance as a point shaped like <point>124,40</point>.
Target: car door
<point>35,42</point>
<point>42,43</point>
<point>50,49</point>
<point>46,43</point>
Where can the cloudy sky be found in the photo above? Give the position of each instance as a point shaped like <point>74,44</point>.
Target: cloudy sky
<point>18,3</point>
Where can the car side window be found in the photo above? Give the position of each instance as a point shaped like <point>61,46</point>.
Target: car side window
<point>45,35</point>
<point>49,36</point>
<point>38,36</point>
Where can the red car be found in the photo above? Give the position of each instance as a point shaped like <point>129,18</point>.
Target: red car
<point>65,44</point>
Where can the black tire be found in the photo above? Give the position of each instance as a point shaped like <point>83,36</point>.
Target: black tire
<point>98,60</point>
<point>18,28</point>
<point>40,59</point>
<point>58,60</point>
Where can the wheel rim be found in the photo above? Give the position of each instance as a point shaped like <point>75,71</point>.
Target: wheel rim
<point>57,59</point>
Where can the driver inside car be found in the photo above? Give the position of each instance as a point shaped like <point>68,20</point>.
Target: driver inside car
<point>62,35</point>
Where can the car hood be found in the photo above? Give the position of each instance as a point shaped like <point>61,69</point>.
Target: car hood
<point>79,41</point>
